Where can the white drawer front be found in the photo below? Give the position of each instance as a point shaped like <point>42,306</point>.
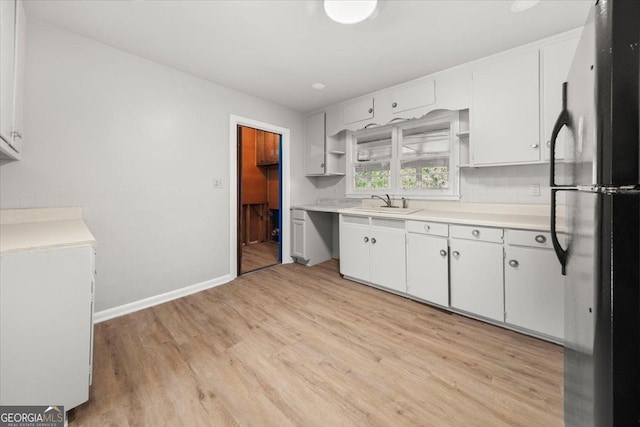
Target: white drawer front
<point>534,239</point>
<point>433,228</point>
<point>482,234</point>
<point>299,214</point>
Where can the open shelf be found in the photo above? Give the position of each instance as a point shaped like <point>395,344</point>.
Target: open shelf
<point>337,153</point>
<point>462,134</point>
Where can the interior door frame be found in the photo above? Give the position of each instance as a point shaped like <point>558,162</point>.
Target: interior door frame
<point>285,188</point>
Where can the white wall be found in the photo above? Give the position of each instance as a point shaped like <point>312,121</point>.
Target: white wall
<point>137,145</point>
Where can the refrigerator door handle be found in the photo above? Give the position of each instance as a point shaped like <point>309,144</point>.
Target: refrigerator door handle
<point>561,121</point>
<point>561,252</point>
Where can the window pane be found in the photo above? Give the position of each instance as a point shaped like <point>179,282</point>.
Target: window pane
<point>361,180</point>
<point>379,179</point>
<point>409,178</point>
<point>435,177</point>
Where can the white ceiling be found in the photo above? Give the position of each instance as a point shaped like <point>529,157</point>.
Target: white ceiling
<point>276,49</point>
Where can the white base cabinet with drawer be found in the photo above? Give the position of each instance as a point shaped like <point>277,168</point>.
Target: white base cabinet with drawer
<point>373,250</point>
<point>428,262</point>
<point>476,278</point>
<point>533,292</point>
<point>46,326</point>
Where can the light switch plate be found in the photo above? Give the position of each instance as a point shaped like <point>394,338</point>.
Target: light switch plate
<point>534,190</point>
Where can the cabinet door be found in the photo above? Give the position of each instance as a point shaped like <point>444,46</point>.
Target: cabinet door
<point>18,95</point>
<point>354,247</point>
<point>388,257</point>
<point>7,67</point>
<point>358,111</point>
<point>477,278</point>
<point>315,144</point>
<point>298,239</point>
<point>428,268</point>
<point>556,61</point>
<point>418,95</point>
<point>506,113</point>
<point>534,291</point>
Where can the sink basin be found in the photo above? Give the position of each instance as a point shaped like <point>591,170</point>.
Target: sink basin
<point>384,209</point>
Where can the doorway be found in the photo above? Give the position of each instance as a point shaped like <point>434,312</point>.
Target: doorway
<point>259,199</point>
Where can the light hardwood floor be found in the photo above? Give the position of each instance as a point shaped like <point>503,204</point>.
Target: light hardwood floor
<point>294,345</point>
<point>259,255</point>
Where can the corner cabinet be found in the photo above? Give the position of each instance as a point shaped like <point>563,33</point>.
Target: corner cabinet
<point>506,111</point>
<point>46,326</point>
<point>373,250</point>
<point>12,56</point>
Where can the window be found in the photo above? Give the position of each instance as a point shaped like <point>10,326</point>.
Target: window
<point>416,158</point>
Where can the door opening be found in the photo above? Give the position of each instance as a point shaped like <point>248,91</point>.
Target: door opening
<point>259,199</point>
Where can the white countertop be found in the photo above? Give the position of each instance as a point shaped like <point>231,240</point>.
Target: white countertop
<point>509,216</point>
<point>319,208</point>
<point>40,232</point>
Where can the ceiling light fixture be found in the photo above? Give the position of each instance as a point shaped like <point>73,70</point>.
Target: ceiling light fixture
<point>349,11</point>
<point>318,85</point>
<point>522,5</point>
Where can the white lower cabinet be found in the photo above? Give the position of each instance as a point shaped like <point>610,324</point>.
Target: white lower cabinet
<point>46,326</point>
<point>477,278</point>
<point>373,250</point>
<point>311,236</point>
<point>428,265</point>
<point>533,291</point>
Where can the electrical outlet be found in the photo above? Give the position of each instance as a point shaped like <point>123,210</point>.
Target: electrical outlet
<point>534,190</point>
<point>217,183</point>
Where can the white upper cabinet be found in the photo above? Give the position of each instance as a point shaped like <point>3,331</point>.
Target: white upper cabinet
<point>414,96</point>
<point>358,111</point>
<point>556,62</point>
<point>315,144</point>
<point>12,31</point>
<point>506,111</point>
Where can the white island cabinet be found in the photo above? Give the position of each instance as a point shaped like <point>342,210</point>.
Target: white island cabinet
<point>46,311</point>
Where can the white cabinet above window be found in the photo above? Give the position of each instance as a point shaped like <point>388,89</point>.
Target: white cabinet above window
<point>358,111</point>
<point>414,96</point>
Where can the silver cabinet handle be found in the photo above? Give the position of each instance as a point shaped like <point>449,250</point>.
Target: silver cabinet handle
<point>549,143</point>
<point>373,241</point>
<point>475,233</point>
<point>366,239</point>
<point>443,252</point>
<point>394,105</point>
<point>427,227</point>
<point>456,254</point>
<point>513,263</point>
<point>321,165</point>
<point>534,146</point>
<point>540,238</point>
<point>370,110</point>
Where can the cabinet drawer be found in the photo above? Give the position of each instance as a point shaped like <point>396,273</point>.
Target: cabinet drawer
<point>432,228</point>
<point>534,239</point>
<point>482,234</point>
<point>299,214</point>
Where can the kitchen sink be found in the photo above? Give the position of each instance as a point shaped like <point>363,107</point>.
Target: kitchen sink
<point>389,210</point>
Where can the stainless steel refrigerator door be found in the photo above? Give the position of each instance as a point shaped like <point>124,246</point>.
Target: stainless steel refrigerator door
<point>580,309</point>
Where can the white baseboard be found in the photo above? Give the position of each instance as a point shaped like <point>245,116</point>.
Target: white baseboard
<point>131,307</point>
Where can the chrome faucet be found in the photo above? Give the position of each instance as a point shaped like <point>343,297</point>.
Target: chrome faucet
<point>386,201</point>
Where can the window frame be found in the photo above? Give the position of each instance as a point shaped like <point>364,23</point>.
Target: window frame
<point>395,187</point>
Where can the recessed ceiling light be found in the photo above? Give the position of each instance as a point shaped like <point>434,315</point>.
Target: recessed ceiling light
<point>522,5</point>
<point>349,11</point>
<point>318,86</point>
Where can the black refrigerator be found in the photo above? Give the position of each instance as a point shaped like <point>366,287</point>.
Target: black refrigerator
<point>599,251</point>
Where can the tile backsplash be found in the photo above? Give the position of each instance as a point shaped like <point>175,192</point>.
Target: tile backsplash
<point>505,184</point>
